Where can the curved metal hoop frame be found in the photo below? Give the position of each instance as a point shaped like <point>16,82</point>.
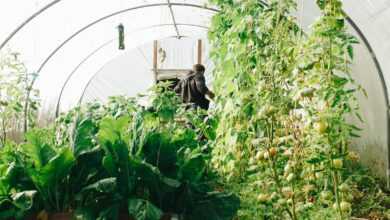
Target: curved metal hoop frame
<point>28,20</point>
<point>100,69</point>
<point>73,72</point>
<point>89,26</point>
<point>350,21</point>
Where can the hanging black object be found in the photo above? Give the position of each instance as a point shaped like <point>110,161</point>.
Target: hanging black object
<point>121,32</point>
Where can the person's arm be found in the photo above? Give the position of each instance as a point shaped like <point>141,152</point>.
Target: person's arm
<point>211,95</point>
<point>201,86</point>
<point>177,88</point>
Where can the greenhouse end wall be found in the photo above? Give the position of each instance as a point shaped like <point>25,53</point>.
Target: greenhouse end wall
<point>372,146</point>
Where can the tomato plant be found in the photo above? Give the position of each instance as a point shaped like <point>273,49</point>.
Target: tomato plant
<point>284,96</point>
<point>15,83</point>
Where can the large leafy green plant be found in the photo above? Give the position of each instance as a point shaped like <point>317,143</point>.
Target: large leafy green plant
<point>15,200</point>
<point>158,164</point>
<point>48,167</point>
<point>99,161</point>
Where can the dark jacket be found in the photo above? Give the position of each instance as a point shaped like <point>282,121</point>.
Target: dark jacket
<point>192,89</point>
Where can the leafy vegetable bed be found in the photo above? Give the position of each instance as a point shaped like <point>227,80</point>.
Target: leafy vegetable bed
<point>117,158</point>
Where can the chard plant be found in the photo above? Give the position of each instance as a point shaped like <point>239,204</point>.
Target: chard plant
<point>284,97</point>
<point>102,161</point>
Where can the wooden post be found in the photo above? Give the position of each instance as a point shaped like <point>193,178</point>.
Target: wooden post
<point>199,51</point>
<point>155,54</point>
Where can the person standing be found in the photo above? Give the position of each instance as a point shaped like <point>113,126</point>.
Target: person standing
<point>193,89</point>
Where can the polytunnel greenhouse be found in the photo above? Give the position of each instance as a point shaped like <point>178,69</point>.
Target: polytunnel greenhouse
<point>194,109</point>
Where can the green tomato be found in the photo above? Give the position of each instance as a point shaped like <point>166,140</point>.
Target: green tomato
<point>260,155</point>
<point>308,205</point>
<point>348,197</point>
<point>252,161</point>
<point>290,177</point>
<point>320,127</point>
<point>335,206</point>
<point>249,20</point>
<point>287,192</point>
<point>262,198</point>
<point>345,206</point>
<point>344,187</point>
<point>273,195</point>
<point>326,195</point>
<point>319,175</point>
<point>282,202</point>
<point>338,163</point>
<point>288,153</point>
<point>308,188</point>
<point>266,155</point>
<point>307,92</point>
<point>287,168</point>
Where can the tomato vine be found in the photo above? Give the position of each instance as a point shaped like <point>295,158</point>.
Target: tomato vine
<point>14,84</point>
<point>284,97</point>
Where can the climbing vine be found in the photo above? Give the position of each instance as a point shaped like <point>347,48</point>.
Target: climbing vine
<point>284,96</point>
<point>14,84</point>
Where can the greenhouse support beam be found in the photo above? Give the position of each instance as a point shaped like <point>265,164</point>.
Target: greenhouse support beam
<point>199,51</point>
<point>73,72</point>
<point>100,69</point>
<point>112,15</point>
<point>173,18</point>
<point>155,60</point>
<point>384,88</point>
<point>94,23</point>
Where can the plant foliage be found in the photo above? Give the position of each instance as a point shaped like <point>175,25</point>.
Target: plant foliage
<point>105,160</point>
<point>284,97</point>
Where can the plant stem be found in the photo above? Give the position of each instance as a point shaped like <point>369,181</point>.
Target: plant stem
<point>4,138</point>
<point>294,213</point>
<point>336,192</point>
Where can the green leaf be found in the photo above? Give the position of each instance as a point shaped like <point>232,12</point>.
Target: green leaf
<point>350,51</point>
<point>102,186</point>
<point>143,210</point>
<point>109,213</point>
<point>111,129</point>
<point>55,170</point>
<point>215,206</point>
<point>321,3</point>
<point>354,135</point>
<point>85,131</point>
<point>109,164</point>
<point>159,151</point>
<point>192,168</point>
<point>171,182</point>
<point>359,116</point>
<point>24,200</point>
<point>37,147</point>
<point>316,159</point>
<point>112,138</point>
